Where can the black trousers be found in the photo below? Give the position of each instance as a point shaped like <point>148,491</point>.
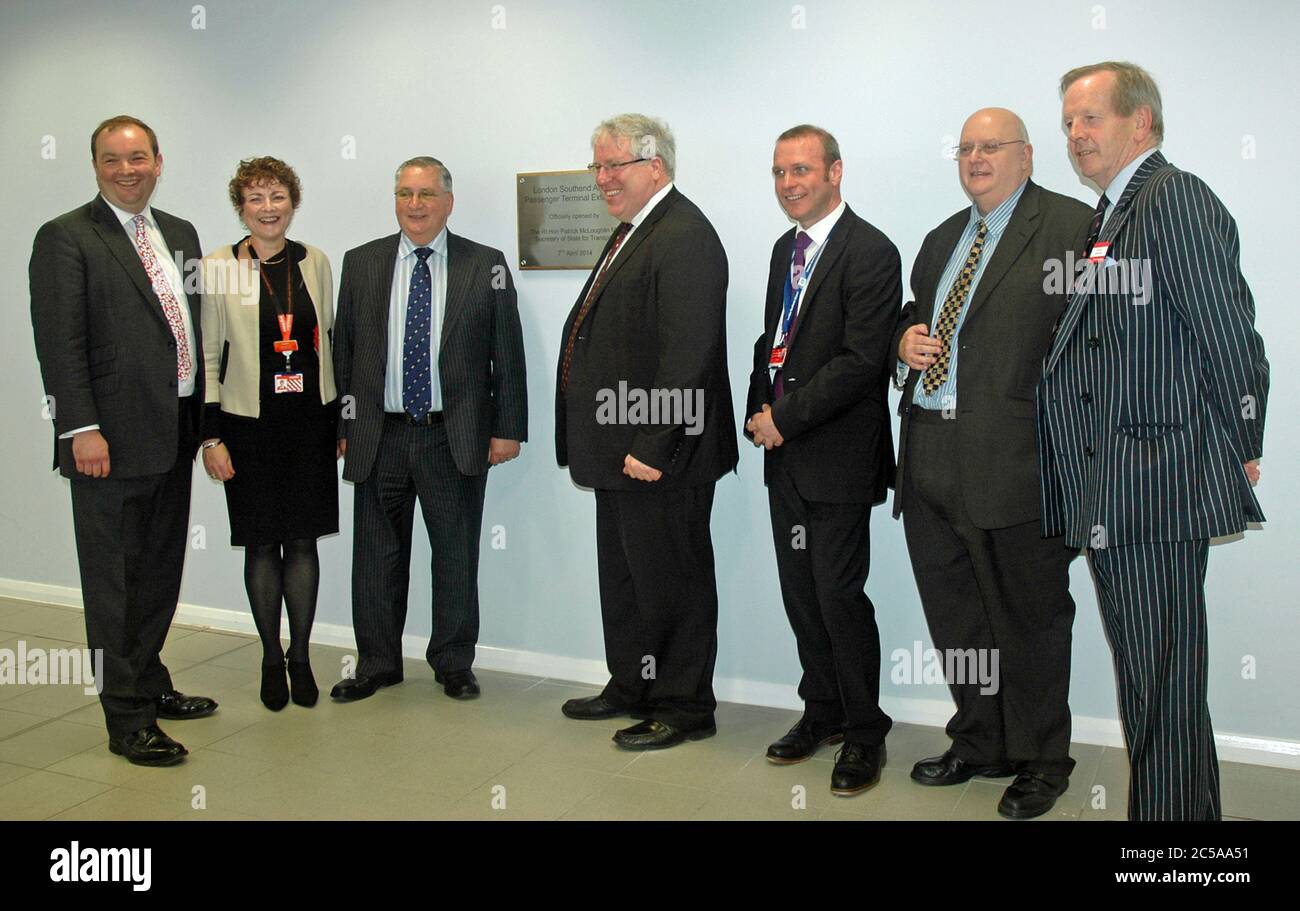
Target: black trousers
<point>1152,599</point>
<point>1003,589</point>
<point>659,601</point>
<point>415,462</point>
<point>823,555</point>
<point>131,539</point>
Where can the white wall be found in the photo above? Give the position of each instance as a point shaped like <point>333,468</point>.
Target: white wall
<point>893,80</point>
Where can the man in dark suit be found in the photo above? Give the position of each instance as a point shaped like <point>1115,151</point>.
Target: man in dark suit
<point>816,405</point>
<point>643,415</point>
<point>991,586</point>
<point>429,361</point>
<point>1151,422</point>
<point>117,336</point>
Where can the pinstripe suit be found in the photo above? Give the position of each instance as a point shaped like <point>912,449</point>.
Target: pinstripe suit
<point>1149,406</point>
<point>484,394</point>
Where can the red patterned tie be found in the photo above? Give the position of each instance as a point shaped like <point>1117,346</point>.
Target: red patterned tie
<point>171,307</point>
<point>621,232</point>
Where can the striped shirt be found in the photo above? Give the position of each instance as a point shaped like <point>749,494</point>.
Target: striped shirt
<point>945,397</point>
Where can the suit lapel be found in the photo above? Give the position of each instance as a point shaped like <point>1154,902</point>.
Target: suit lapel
<point>836,242</point>
<point>777,281</point>
<point>638,237</point>
<point>1120,215</point>
<point>458,278</point>
<point>1021,227</point>
<point>944,244</point>
<point>381,283</point>
<point>175,243</point>
<point>122,246</point>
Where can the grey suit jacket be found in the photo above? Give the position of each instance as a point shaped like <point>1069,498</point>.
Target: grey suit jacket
<point>480,354</point>
<point>1154,391</point>
<point>1007,330</point>
<point>107,353</point>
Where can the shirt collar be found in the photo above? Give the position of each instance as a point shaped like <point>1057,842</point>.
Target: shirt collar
<point>407,247</point>
<point>1120,183</point>
<point>650,206</point>
<point>126,217</point>
<point>996,221</point>
<point>822,229</point>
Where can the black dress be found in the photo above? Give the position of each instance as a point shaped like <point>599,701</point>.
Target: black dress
<point>286,482</point>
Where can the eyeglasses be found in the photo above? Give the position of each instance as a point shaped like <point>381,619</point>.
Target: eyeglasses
<point>966,149</point>
<point>425,195</point>
<point>617,166</point>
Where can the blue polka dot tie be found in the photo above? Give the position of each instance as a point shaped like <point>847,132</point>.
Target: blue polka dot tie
<point>417,390</point>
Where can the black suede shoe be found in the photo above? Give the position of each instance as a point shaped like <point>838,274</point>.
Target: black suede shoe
<point>949,769</point>
<point>802,741</point>
<point>458,684</point>
<point>303,683</point>
<point>179,707</point>
<point>148,746</point>
<point>857,768</point>
<point>275,692</point>
<point>655,735</point>
<point>350,689</point>
<point>1032,794</point>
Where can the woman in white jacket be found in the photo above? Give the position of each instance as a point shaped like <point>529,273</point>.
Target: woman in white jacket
<point>271,416</point>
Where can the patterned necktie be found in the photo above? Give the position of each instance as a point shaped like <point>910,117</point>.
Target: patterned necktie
<point>1094,229</point>
<point>593,292</point>
<point>417,390</point>
<point>801,242</point>
<point>946,324</point>
<point>171,307</point>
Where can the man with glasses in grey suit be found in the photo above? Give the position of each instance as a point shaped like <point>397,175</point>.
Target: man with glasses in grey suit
<point>429,361</point>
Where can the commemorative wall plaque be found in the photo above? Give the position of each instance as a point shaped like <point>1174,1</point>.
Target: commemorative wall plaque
<point>563,222</point>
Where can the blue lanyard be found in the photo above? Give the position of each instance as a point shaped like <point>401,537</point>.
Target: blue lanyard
<point>792,296</point>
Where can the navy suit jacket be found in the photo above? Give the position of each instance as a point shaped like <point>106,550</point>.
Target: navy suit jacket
<point>1154,391</point>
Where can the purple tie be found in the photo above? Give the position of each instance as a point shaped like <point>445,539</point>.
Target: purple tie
<point>801,242</point>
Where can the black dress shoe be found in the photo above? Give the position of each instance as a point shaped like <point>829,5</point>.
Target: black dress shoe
<point>949,769</point>
<point>302,683</point>
<point>803,740</point>
<point>857,767</point>
<point>589,708</point>
<point>179,707</point>
<point>350,689</point>
<point>275,692</point>
<point>148,746</point>
<point>655,735</point>
<point>458,684</point>
<point>1032,794</point>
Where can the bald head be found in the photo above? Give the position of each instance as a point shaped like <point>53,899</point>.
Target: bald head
<point>989,176</point>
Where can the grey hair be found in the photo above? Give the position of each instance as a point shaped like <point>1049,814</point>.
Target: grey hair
<point>425,161</point>
<point>648,137</point>
<point>1134,88</point>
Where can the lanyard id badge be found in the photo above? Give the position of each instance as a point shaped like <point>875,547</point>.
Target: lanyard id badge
<point>791,299</point>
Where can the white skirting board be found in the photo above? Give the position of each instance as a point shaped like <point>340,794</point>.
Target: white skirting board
<point>1284,754</point>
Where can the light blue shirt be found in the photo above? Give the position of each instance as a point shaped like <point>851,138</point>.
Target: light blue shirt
<point>1120,183</point>
<point>402,269</point>
<point>945,397</point>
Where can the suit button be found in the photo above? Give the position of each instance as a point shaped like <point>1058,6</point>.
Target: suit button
<point>171,343</point>
<point>1087,450</point>
<point>1094,343</point>
<point>1086,398</point>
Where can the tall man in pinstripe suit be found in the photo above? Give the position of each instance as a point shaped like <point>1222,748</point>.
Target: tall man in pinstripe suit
<point>429,361</point>
<point>1151,425</point>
